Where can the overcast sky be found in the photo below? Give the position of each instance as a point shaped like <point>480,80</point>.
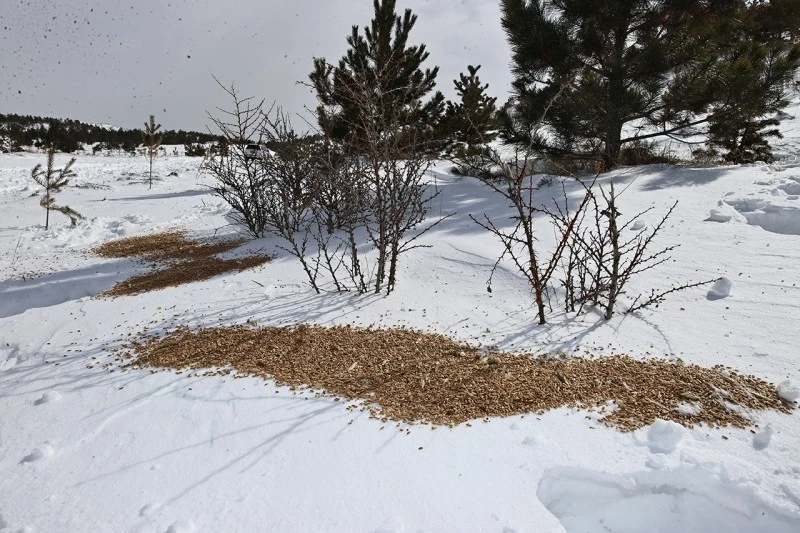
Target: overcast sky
<point>108,61</point>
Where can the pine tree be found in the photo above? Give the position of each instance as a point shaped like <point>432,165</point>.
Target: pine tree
<point>54,180</point>
<point>753,80</point>
<point>471,121</point>
<point>152,142</point>
<point>379,81</point>
<point>584,69</point>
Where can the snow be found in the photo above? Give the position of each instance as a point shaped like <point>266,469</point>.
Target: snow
<point>789,392</point>
<point>43,452</point>
<point>762,439</point>
<point>721,289</point>
<point>689,409</point>
<point>664,436</point>
<point>691,500</point>
<point>770,203</point>
<point>639,225</point>
<point>83,448</point>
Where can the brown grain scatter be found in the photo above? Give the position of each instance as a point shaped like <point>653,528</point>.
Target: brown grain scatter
<point>164,246</point>
<point>414,377</point>
<point>153,245</point>
<point>175,260</point>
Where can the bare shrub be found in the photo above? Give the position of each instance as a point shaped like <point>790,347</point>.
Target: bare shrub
<point>381,167</point>
<point>240,180</point>
<point>601,260</point>
<point>327,198</point>
<point>516,185</point>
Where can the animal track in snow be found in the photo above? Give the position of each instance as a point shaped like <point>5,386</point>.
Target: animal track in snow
<point>9,356</point>
<point>44,451</point>
<point>534,441</point>
<point>391,525</point>
<point>149,510</point>
<point>181,527</point>
<point>48,397</point>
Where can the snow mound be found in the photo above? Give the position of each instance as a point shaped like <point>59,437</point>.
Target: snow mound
<point>690,500</point>
<point>775,208</point>
<point>718,216</point>
<point>639,225</point>
<point>777,219</point>
<point>789,393</point>
<point>761,440</point>
<point>664,436</point>
<point>791,186</point>
<point>721,289</point>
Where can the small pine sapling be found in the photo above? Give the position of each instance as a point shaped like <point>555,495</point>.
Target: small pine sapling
<point>152,142</point>
<point>54,180</point>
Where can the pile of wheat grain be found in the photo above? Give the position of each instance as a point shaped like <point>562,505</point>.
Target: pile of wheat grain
<point>411,376</point>
<point>174,260</point>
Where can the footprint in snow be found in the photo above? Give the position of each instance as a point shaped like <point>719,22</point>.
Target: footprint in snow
<point>533,441</point>
<point>46,450</point>
<point>149,510</point>
<point>48,397</point>
<point>181,526</point>
<point>391,525</point>
<point>9,356</point>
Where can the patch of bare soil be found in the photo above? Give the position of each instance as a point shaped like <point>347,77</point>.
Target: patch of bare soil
<point>412,377</point>
<point>175,261</point>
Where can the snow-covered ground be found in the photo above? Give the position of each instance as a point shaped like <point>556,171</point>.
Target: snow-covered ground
<point>84,448</point>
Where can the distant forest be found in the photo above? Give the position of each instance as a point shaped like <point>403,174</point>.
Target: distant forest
<point>67,135</point>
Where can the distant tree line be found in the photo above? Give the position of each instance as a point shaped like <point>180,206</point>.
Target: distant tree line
<point>67,135</point>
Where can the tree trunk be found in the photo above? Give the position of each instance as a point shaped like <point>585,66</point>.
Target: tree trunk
<point>612,142</point>
<point>614,99</point>
<point>540,305</point>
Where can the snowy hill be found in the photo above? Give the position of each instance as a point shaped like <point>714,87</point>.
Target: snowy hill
<point>86,447</point>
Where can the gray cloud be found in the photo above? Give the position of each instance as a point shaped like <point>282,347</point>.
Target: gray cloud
<point>117,62</point>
